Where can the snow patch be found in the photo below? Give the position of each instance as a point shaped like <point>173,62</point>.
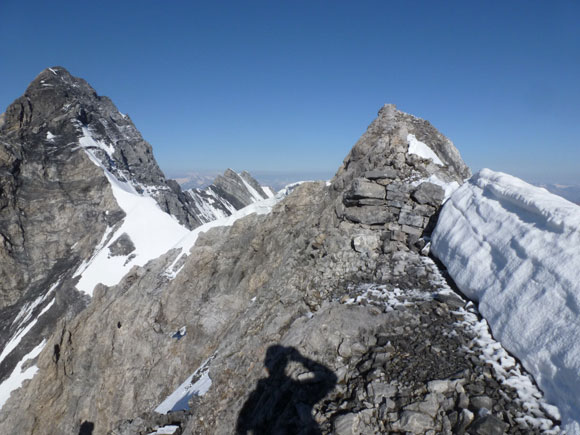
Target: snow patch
<point>196,385</point>
<point>49,136</point>
<point>514,248</point>
<point>165,430</point>
<point>15,340</point>
<point>269,192</point>
<point>152,231</point>
<point>255,195</point>
<point>422,150</point>
<point>388,299</point>
<point>18,376</point>
<point>89,142</point>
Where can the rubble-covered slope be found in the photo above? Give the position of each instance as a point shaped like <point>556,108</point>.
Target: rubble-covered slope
<point>331,292</point>
<point>513,248</point>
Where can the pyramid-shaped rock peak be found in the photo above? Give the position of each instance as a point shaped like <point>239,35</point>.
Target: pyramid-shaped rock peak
<point>403,143</point>
<point>60,113</point>
<point>396,176</point>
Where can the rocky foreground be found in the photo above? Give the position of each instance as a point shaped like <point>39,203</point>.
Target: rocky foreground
<point>326,315</point>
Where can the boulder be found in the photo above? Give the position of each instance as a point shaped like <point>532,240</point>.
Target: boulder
<point>362,188</point>
<point>487,425</point>
<point>429,193</point>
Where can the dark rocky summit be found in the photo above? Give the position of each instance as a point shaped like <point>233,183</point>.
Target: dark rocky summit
<point>333,293</point>
<point>56,203</point>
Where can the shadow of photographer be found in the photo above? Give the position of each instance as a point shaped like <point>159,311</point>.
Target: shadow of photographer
<point>283,405</point>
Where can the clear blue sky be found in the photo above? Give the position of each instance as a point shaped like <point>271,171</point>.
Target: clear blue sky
<point>290,86</point>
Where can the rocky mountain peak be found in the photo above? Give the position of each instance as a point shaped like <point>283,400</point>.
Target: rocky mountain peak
<point>391,142</point>
<point>62,147</point>
<point>60,111</point>
<point>229,192</point>
<point>397,175</point>
<point>44,99</point>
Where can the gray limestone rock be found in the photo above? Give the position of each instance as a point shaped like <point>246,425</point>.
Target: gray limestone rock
<point>414,422</point>
<point>362,188</point>
<point>479,402</point>
<point>366,242</point>
<point>370,215</point>
<point>382,173</point>
<point>429,193</point>
<point>122,246</point>
<point>488,425</point>
<point>56,202</point>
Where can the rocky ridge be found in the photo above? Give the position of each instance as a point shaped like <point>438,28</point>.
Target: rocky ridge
<point>333,285</point>
<point>229,192</point>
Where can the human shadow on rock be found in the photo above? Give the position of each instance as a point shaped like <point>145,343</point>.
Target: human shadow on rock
<point>282,405</point>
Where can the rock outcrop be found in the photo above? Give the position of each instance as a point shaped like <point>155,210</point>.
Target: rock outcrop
<point>332,293</point>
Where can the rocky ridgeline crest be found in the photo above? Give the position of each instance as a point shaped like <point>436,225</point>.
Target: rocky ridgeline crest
<point>229,192</point>
<point>335,278</point>
<point>387,185</point>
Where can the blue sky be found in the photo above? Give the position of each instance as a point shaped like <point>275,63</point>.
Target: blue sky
<point>290,86</point>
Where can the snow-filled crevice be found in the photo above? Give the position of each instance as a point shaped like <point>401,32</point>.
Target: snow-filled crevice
<point>197,384</point>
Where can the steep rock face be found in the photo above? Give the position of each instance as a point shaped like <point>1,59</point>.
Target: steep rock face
<point>65,111</point>
<point>229,192</point>
<point>56,203</point>
<point>328,287</point>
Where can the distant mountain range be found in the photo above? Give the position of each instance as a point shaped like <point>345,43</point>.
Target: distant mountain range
<point>275,180</point>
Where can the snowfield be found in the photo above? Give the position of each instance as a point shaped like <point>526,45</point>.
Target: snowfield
<point>152,231</point>
<point>514,248</point>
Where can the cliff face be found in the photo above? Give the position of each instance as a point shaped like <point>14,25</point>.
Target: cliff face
<point>332,292</point>
<point>56,202</point>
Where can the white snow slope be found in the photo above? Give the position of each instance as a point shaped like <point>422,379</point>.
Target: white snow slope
<point>152,231</point>
<point>514,248</point>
